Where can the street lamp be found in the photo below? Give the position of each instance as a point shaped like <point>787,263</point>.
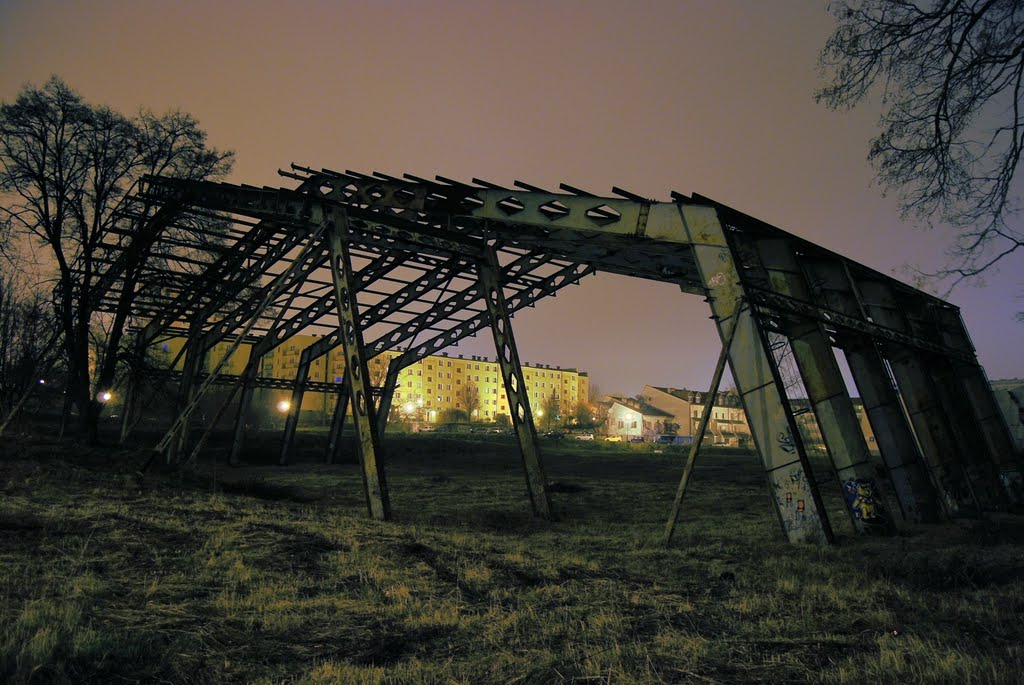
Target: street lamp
<point>106,396</point>
<point>283,406</point>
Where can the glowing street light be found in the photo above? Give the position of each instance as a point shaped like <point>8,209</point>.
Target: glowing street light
<point>408,407</point>
<point>283,406</point>
<point>106,396</point>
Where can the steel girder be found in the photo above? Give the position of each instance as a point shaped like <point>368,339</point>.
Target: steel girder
<point>357,376</point>
<point>827,394</point>
<point>696,243</point>
<point>832,283</point>
<point>772,425</point>
<point>515,384</point>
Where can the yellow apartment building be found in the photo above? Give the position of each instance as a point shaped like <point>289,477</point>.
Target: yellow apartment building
<point>425,390</point>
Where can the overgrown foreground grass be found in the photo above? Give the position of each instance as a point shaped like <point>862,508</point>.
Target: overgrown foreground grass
<point>270,574</point>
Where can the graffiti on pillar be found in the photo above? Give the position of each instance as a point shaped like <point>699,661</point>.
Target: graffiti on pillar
<point>785,440</point>
<point>717,280</point>
<point>793,492</point>
<point>862,498</point>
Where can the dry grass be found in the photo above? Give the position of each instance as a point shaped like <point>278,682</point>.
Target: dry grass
<point>267,574</point>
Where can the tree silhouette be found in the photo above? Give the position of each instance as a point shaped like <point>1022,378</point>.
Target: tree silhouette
<point>949,74</point>
<point>69,176</point>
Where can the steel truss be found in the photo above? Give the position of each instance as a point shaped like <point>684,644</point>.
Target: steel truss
<point>376,263</point>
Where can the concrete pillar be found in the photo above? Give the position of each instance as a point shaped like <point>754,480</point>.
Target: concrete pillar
<point>895,440</point>
<point>939,447</point>
<point>828,396</point>
<point>794,493</point>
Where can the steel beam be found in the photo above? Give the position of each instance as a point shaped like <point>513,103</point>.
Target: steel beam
<point>793,490</point>
<point>832,283</point>
<point>337,424</point>
<point>974,454</point>
<point>193,364</point>
<point>702,427</point>
<point>515,384</point>
<point>828,397</point>
<point>179,426</point>
<point>978,391</point>
<point>291,422</point>
<point>896,443</point>
<point>387,394</point>
<point>357,376</point>
<point>916,388</point>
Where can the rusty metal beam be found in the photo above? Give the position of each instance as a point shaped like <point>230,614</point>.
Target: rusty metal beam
<point>357,376</point>
<point>702,427</point>
<point>515,384</point>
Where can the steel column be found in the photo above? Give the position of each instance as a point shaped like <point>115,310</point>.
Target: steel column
<point>195,358</point>
<point>291,422</point>
<point>247,382</point>
<point>702,427</point>
<point>337,424</point>
<point>926,415</point>
<point>896,442</point>
<point>990,419</point>
<point>828,397</point>
<point>515,384</point>
<point>833,283</point>
<point>980,468</point>
<point>357,376</point>
<point>387,393</point>
<point>794,494</point>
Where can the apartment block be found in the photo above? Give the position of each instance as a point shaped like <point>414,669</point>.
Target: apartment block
<point>425,389</point>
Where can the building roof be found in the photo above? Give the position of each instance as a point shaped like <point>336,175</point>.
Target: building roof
<point>636,405</point>
<point>723,399</point>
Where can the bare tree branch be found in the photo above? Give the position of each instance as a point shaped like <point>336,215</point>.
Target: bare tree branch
<point>948,74</point>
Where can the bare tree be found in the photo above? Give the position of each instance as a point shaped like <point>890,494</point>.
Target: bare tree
<point>70,174</point>
<point>552,408</point>
<point>949,74</point>
<point>472,398</point>
<point>27,334</point>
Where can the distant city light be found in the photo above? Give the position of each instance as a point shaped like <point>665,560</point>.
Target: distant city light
<point>283,406</point>
<point>106,396</point>
<point>42,382</point>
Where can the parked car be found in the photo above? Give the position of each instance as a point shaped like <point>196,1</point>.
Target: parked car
<point>613,438</point>
<point>637,439</point>
<point>584,436</point>
<point>674,440</point>
<point>554,435</point>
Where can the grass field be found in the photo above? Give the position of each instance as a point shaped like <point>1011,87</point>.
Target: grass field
<point>274,574</point>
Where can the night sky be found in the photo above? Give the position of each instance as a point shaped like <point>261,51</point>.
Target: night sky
<point>707,97</point>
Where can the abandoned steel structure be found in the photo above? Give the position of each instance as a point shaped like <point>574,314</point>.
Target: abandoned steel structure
<point>375,262</point>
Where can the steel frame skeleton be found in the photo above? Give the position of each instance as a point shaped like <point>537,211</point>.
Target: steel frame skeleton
<point>448,259</point>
